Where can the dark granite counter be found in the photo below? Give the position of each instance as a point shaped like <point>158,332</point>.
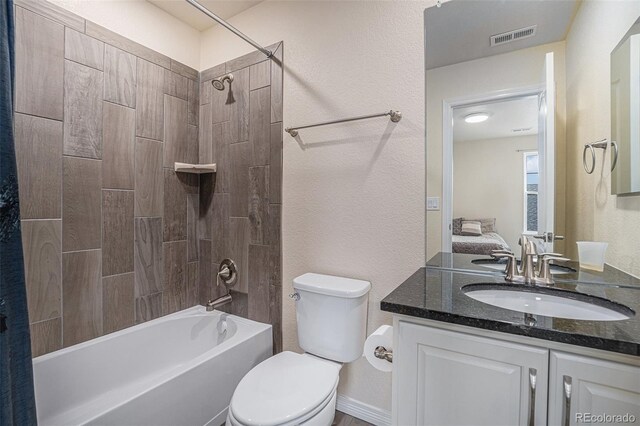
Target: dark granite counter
<point>567,271</point>
<point>437,294</point>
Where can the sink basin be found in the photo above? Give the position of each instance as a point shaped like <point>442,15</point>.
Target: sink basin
<point>549,302</point>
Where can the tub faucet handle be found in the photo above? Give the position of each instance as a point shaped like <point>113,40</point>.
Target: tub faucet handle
<point>227,272</point>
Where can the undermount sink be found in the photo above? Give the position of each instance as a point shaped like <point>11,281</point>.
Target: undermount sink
<point>549,302</point>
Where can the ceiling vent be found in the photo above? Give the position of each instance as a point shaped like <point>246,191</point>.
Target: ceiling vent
<point>509,36</point>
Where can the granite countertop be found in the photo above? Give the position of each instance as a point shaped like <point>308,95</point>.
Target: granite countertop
<point>437,294</point>
<point>571,271</point>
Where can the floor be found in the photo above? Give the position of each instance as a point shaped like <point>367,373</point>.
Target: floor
<point>343,419</point>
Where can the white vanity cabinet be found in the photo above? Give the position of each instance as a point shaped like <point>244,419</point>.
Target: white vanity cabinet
<point>445,374</point>
<point>584,386</point>
<point>449,378</point>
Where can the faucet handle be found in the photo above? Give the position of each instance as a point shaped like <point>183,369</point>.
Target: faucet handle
<point>554,256</point>
<point>544,274</point>
<point>501,251</point>
<point>541,255</point>
<point>511,270</point>
<point>227,272</point>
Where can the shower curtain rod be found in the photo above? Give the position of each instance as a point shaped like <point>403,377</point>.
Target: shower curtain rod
<point>228,26</point>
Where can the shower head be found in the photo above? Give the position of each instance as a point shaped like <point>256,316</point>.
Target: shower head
<point>218,83</point>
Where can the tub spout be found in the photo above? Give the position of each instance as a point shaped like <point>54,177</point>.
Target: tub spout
<point>215,303</point>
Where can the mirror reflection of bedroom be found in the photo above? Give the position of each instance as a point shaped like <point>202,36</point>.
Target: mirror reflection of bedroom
<point>496,143</point>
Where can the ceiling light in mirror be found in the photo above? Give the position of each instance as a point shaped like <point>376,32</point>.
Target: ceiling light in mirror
<point>477,117</point>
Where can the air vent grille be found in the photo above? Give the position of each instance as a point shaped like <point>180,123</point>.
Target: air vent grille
<point>508,37</point>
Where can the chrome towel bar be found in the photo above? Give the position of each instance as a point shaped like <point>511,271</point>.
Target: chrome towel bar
<point>394,116</point>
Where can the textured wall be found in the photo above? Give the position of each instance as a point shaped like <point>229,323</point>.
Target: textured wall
<point>109,230</point>
<point>592,212</point>
<point>241,131</point>
<point>353,194</point>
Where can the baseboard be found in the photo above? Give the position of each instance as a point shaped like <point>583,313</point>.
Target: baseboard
<point>362,411</point>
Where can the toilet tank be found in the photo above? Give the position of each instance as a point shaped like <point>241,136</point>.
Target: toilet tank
<point>332,315</point>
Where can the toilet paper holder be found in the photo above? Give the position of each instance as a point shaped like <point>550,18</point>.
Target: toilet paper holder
<point>382,353</point>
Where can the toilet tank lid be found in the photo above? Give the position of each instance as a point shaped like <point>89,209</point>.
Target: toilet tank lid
<point>331,286</point>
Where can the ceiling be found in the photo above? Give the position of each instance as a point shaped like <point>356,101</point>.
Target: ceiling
<point>504,117</point>
<point>460,30</point>
<point>198,20</point>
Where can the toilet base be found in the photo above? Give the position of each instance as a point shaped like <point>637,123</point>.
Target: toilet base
<point>324,417</point>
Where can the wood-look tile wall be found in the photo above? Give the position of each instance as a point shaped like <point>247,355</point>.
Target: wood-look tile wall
<point>240,215</point>
<point>110,231</point>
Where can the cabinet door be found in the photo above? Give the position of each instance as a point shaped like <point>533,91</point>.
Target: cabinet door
<point>449,378</point>
<point>581,386</point>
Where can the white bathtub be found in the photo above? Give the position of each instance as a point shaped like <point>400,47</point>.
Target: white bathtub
<point>180,369</point>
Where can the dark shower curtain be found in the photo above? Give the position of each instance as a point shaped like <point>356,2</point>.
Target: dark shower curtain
<point>17,405</point>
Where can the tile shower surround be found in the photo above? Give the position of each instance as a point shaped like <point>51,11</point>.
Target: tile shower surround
<point>112,235</point>
<point>241,131</point>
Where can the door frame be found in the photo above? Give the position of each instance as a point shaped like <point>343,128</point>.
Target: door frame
<point>448,105</point>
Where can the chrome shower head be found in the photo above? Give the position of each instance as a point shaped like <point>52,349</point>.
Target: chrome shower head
<point>218,83</point>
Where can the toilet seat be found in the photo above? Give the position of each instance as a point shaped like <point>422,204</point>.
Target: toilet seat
<point>323,415</point>
<point>288,388</point>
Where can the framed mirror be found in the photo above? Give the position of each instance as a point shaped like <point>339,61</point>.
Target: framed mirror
<point>625,113</point>
<point>514,92</point>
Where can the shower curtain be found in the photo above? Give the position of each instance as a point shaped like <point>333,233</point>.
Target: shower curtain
<point>17,404</point>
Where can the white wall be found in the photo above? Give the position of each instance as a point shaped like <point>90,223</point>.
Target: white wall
<point>521,68</point>
<point>143,23</point>
<point>354,193</point>
<point>592,213</point>
<point>488,182</point>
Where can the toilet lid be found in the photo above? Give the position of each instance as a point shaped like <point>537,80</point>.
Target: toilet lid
<point>283,388</point>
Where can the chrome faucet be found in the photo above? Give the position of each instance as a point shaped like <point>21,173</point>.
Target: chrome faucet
<point>538,272</point>
<point>220,301</point>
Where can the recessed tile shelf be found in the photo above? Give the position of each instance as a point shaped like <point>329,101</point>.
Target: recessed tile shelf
<point>195,168</point>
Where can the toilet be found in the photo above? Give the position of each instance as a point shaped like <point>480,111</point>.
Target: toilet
<point>294,389</point>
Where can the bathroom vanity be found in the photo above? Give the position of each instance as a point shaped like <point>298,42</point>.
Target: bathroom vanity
<point>530,137</point>
<point>461,361</point>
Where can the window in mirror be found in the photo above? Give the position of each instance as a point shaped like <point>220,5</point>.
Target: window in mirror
<point>531,180</point>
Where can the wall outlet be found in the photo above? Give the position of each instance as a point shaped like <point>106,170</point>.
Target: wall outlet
<point>433,203</point>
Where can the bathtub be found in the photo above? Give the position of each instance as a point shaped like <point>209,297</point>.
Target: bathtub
<point>180,369</point>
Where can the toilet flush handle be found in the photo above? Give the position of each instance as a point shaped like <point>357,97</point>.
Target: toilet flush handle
<point>295,296</point>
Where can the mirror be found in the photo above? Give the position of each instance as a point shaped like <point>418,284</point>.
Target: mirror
<point>514,91</point>
<point>625,112</point>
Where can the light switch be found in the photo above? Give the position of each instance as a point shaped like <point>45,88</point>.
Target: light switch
<point>433,203</point>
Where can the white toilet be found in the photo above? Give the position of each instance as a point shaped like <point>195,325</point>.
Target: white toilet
<point>294,389</point>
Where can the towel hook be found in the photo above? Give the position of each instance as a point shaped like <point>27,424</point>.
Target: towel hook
<point>602,144</point>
